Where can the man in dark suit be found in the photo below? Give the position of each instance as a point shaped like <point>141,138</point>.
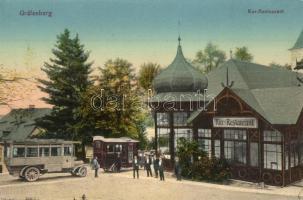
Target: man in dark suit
<point>148,163</point>
<point>161,169</point>
<point>135,167</point>
<point>156,165</point>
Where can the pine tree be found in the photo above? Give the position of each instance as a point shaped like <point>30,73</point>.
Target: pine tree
<point>68,79</point>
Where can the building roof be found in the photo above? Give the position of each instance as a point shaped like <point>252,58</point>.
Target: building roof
<point>246,75</point>
<point>272,92</point>
<point>36,141</point>
<point>114,140</point>
<point>180,76</point>
<point>19,124</point>
<point>299,42</point>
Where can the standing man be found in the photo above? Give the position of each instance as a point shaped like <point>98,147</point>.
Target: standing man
<point>156,165</point>
<point>161,169</point>
<point>147,166</point>
<point>96,166</point>
<point>136,167</point>
<point>118,163</point>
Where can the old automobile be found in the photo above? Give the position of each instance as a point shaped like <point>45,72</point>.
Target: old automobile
<point>32,158</point>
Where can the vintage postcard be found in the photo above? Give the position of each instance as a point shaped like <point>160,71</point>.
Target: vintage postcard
<point>151,99</point>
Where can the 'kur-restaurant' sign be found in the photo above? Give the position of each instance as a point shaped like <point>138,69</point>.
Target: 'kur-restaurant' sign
<point>235,122</point>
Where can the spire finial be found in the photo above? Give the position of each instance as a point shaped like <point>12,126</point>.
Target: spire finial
<point>179,40</point>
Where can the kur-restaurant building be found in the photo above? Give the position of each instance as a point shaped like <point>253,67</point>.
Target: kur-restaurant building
<point>247,113</point>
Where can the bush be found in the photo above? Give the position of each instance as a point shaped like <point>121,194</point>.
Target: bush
<point>197,165</point>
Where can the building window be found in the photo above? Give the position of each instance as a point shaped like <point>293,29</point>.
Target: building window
<point>204,140</point>
<point>272,136</point>
<point>272,156</point>
<point>180,118</point>
<point>272,149</point>
<point>204,133</point>
<point>254,154</point>
<point>294,155</point>
<point>217,148</point>
<point>185,133</point>
<point>235,145</point>
<point>18,152</point>
<point>162,119</point>
<point>32,152</point>
<point>163,139</point>
<point>286,157</point>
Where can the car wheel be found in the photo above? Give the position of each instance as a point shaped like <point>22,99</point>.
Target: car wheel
<point>32,174</point>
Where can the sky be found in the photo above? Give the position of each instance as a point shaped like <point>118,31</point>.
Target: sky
<point>147,30</point>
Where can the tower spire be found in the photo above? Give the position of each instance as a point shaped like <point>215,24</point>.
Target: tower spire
<point>179,40</point>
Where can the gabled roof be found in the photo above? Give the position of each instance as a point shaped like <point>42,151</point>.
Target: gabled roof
<point>246,75</point>
<point>272,92</point>
<point>299,42</point>
<point>20,123</point>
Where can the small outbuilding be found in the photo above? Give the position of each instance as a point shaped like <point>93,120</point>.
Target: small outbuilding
<point>108,149</point>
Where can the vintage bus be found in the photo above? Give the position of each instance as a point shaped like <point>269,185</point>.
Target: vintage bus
<point>107,150</point>
<point>31,158</point>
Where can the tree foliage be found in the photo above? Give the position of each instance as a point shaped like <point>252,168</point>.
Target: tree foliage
<point>68,75</point>
<point>243,54</point>
<point>210,58</point>
<point>147,73</point>
<point>115,106</point>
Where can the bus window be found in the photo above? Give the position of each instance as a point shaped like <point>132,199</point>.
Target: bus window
<point>110,148</point>
<point>98,144</point>
<point>18,152</point>
<point>68,150</point>
<point>118,148</point>
<point>32,152</point>
<point>55,151</point>
<point>44,151</point>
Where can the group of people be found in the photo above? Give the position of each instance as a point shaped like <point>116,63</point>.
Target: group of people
<point>149,161</point>
<point>155,161</point>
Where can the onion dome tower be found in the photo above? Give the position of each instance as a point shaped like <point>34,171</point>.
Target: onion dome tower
<point>179,89</point>
<point>180,76</point>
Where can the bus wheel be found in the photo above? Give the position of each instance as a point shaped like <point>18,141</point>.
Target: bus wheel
<point>31,174</point>
<point>82,171</point>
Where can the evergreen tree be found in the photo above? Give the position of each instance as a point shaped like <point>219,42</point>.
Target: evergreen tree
<point>68,78</point>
